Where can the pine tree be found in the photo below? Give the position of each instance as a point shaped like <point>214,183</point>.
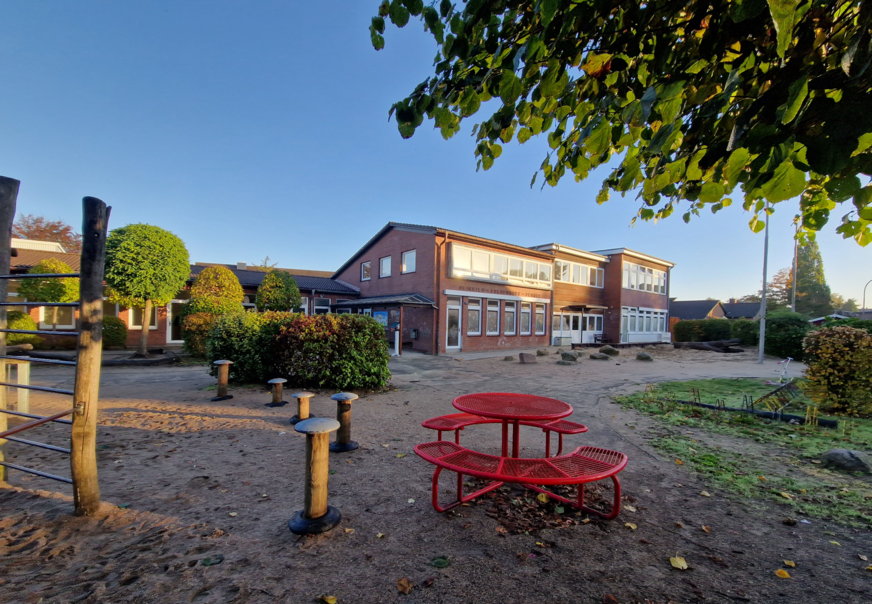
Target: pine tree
<point>813,296</point>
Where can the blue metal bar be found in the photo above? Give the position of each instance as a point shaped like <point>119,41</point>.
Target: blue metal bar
<point>12,466</point>
<point>33,443</point>
<point>40,276</point>
<point>37,360</point>
<point>39,303</point>
<point>32,416</point>
<point>41,331</point>
<point>40,388</point>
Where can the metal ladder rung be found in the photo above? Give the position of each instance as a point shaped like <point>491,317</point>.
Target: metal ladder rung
<point>41,276</point>
<point>39,388</point>
<point>41,331</point>
<point>33,443</point>
<point>13,466</point>
<point>39,304</point>
<point>37,360</point>
<point>32,416</point>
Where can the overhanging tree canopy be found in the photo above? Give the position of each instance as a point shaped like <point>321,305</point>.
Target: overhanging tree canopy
<point>768,99</point>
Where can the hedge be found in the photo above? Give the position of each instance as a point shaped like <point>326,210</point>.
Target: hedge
<point>705,330</point>
<point>114,332</point>
<point>326,351</point>
<point>15,319</point>
<point>746,331</point>
<point>839,374</point>
<point>785,332</point>
<point>198,317</point>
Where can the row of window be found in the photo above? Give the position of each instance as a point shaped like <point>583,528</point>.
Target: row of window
<point>644,279</point>
<point>408,259</point>
<point>489,266</point>
<point>580,274</point>
<point>510,318</point>
<point>636,320</point>
<point>565,324</point>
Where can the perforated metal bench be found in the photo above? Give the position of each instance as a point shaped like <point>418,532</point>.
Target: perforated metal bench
<point>585,464</point>
<point>456,422</point>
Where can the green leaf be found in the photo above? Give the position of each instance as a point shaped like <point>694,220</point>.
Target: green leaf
<point>647,100</point>
<point>697,67</point>
<point>863,199</point>
<point>600,138</point>
<point>445,8</point>
<point>842,189</point>
<point>798,93</point>
<point>469,102</point>
<point>510,87</point>
<point>440,561</point>
<point>660,137</point>
<point>524,135</point>
<point>736,166</point>
<point>756,224</point>
<point>597,64</point>
<point>711,192</point>
<point>415,6</point>
<point>547,9</point>
<point>486,162</point>
<point>554,82</point>
<point>399,14</point>
<point>378,41</point>
<point>783,13</point>
<point>742,10</point>
<point>378,23</point>
<point>786,183</point>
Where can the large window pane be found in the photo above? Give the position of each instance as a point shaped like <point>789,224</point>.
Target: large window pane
<point>510,318</point>
<point>473,317</point>
<point>385,267</point>
<point>480,262</point>
<point>516,268</point>
<point>525,318</point>
<point>493,317</point>
<point>576,273</point>
<point>540,319</point>
<point>364,271</point>
<point>545,272</point>
<point>531,270</point>
<point>501,266</point>
<point>409,261</point>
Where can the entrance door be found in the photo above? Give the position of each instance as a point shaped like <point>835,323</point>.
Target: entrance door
<point>453,324</point>
<point>174,321</point>
<point>575,328</point>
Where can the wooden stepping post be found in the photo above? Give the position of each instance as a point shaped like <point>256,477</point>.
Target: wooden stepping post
<point>223,378</point>
<point>276,387</point>
<point>302,406</point>
<point>316,516</point>
<point>343,441</point>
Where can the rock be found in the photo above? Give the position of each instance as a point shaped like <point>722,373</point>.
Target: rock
<point>846,461</point>
<point>567,363</point>
<point>644,356</point>
<point>541,353</point>
<point>609,350</point>
<point>599,356</point>
<point>569,357</point>
<point>559,351</point>
<point>526,358</point>
<point>509,358</point>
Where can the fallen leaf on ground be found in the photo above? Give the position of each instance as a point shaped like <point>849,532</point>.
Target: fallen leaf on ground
<point>862,557</point>
<point>411,500</point>
<point>404,586</point>
<point>761,478</point>
<point>585,521</point>
<point>679,462</point>
<point>349,530</point>
<point>440,561</point>
<point>836,543</point>
<point>869,567</point>
<point>610,599</point>
<point>786,495</point>
<point>429,581</point>
<point>386,446</point>
<point>629,508</point>
<point>379,535</point>
<point>782,573</point>
<point>679,525</point>
<point>707,529</point>
<point>705,494</point>
<point>678,562</point>
<point>502,530</point>
<point>328,599</point>
<point>213,560</point>
<point>232,514</point>
<point>630,525</point>
<point>542,497</point>
<point>401,454</point>
<point>790,563</point>
<point>558,509</point>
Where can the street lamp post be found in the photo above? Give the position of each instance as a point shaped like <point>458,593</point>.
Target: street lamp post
<point>763,297</point>
<point>864,293</point>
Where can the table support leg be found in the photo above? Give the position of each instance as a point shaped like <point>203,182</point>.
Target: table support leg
<point>515,438</point>
<point>548,443</point>
<point>505,438</point>
<point>460,497</point>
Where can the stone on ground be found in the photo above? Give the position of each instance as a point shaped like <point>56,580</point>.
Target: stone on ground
<point>609,350</point>
<point>526,357</point>
<point>565,362</point>
<point>570,357</point>
<point>559,351</point>
<point>542,352</point>
<point>644,356</point>
<point>847,461</point>
<point>599,356</point>
<point>508,358</point>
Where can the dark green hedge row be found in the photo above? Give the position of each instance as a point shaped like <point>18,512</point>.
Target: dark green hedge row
<point>326,351</point>
<point>705,330</point>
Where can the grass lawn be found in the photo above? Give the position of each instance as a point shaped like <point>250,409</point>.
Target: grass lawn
<point>781,466</point>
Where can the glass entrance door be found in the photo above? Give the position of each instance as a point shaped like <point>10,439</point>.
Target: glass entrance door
<point>174,321</point>
<point>452,339</point>
<point>575,330</point>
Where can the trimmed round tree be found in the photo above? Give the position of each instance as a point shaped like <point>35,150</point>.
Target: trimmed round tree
<point>64,289</point>
<point>216,292</point>
<point>145,266</point>
<point>278,291</point>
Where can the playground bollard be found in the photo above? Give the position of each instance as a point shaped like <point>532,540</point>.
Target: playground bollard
<point>343,441</point>
<point>316,516</point>
<point>276,388</point>
<point>223,378</point>
<point>302,406</point>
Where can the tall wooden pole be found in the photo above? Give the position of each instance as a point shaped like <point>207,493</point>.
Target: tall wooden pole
<point>83,449</point>
<point>8,198</point>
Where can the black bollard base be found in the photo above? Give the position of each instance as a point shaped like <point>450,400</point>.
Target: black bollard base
<point>296,419</point>
<point>340,448</point>
<point>301,525</point>
<point>280,404</point>
<point>221,398</point>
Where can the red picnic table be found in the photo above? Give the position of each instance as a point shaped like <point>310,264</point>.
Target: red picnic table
<point>513,408</point>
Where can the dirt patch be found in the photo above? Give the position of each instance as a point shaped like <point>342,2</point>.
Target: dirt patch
<point>218,481</point>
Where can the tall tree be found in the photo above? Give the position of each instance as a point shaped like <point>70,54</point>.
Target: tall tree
<point>215,292</point>
<point>145,266</point>
<point>812,292</point>
<point>278,291</point>
<point>694,103</point>
<point>38,228</point>
<point>840,303</point>
<point>63,289</point>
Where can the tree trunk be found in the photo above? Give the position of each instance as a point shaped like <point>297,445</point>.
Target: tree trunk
<point>142,349</point>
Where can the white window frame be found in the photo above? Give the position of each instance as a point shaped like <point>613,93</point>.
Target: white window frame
<point>540,312</point>
<point>316,307</point>
<point>490,309</point>
<point>526,309</point>
<point>381,267</point>
<point>510,307</point>
<point>405,263</point>
<point>44,324</point>
<point>367,312</point>
<point>131,326</point>
<point>473,304</point>
<point>480,264</point>
<point>304,306</point>
<point>368,266</point>
<point>170,339</point>
<point>579,274</point>
<point>644,279</point>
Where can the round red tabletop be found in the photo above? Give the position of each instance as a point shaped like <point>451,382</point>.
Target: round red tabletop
<point>510,406</point>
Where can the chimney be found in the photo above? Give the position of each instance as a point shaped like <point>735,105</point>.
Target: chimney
<point>241,266</point>
<point>732,300</point>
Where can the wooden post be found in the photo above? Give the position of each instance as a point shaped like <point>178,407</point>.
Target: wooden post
<point>223,379</point>
<point>83,442</point>
<point>8,198</point>
<point>343,442</point>
<point>302,406</point>
<point>276,384</point>
<point>316,516</point>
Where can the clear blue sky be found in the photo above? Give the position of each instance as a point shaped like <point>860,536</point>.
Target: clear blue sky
<point>260,128</point>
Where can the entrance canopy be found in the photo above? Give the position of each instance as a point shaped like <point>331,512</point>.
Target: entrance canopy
<point>398,299</point>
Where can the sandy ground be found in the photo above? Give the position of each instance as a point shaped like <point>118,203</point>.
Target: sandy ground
<point>200,481</point>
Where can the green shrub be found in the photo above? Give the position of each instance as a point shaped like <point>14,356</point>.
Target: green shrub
<point>714,329</point>
<point>278,291</point>
<point>217,282</point>
<point>215,293</point>
<point>114,332</point>
<point>688,331</point>
<point>785,332</point>
<point>852,322</point>
<point>15,319</point>
<point>746,331</point>
<point>839,369</point>
<point>328,351</point>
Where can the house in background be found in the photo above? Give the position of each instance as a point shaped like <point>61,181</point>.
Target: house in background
<point>695,310</point>
<point>741,310</point>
